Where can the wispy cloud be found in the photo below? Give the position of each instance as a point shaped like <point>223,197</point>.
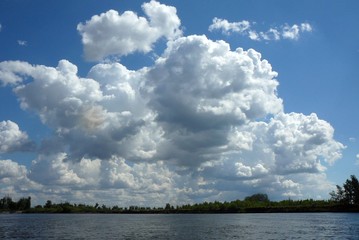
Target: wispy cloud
<point>22,42</point>
<point>246,28</point>
<point>228,27</point>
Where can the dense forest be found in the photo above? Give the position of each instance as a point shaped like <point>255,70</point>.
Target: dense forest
<point>344,199</point>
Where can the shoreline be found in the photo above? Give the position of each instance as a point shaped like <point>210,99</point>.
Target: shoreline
<point>334,209</point>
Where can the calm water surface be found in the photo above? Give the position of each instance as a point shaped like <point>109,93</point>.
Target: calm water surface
<point>180,226</point>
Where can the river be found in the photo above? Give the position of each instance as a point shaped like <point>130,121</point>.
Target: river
<point>180,226</point>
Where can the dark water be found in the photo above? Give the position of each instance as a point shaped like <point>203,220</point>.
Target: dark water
<point>187,226</point>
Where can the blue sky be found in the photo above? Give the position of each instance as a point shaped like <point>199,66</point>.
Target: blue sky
<point>156,105</point>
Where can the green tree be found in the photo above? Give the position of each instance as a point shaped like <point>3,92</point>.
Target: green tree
<point>351,189</point>
<point>338,195</point>
<point>258,197</point>
<point>24,204</point>
<point>6,203</point>
<point>348,194</point>
<point>48,204</point>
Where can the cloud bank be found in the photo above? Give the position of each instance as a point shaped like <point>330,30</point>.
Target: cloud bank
<point>204,122</point>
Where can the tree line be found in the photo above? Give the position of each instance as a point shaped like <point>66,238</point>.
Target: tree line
<point>8,205</point>
<point>344,198</point>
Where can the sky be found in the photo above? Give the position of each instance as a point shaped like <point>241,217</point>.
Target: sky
<point>124,102</point>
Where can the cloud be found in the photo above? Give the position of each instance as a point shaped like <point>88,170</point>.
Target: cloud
<point>204,122</point>
<point>0,27</point>
<point>94,177</point>
<point>292,32</point>
<point>14,180</point>
<point>11,72</point>
<point>22,42</point>
<point>11,170</point>
<point>306,27</point>
<point>112,33</point>
<point>286,147</point>
<point>299,143</point>
<point>59,86</point>
<point>92,118</point>
<point>245,28</point>
<point>200,89</point>
<point>12,139</point>
<point>227,27</point>
<point>206,117</point>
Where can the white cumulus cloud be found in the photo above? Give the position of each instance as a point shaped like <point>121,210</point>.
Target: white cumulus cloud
<point>12,139</point>
<point>11,72</point>
<point>112,33</point>
<point>11,170</point>
<point>194,117</point>
<point>204,122</point>
<point>96,118</point>
<point>199,89</point>
<point>14,180</point>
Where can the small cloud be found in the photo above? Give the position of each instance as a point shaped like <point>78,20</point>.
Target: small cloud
<point>293,32</point>
<point>22,43</point>
<point>306,27</point>
<point>357,161</point>
<point>228,27</point>
<point>290,32</point>
<point>273,34</point>
<point>352,139</point>
<point>253,35</point>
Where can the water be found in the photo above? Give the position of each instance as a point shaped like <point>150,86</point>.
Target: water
<point>180,226</point>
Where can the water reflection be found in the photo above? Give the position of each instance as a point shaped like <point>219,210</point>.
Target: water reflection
<point>180,226</point>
